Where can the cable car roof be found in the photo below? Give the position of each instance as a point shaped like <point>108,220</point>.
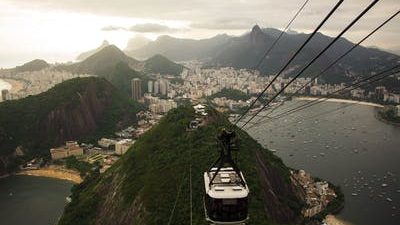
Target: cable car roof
<point>226,184</point>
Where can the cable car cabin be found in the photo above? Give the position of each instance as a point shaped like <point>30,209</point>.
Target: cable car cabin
<point>225,199</point>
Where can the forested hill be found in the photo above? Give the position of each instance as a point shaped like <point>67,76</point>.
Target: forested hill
<point>142,186</point>
<point>76,109</point>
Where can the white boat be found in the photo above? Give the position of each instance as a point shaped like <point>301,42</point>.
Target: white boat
<point>68,199</point>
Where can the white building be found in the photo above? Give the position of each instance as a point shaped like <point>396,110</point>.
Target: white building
<point>150,86</point>
<point>106,143</point>
<point>156,87</point>
<point>122,146</point>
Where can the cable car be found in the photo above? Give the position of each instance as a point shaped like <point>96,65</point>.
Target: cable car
<point>226,191</point>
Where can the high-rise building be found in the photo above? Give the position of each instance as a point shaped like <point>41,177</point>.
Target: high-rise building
<point>380,92</point>
<point>156,87</point>
<point>4,95</point>
<point>164,85</point>
<point>150,86</point>
<point>136,86</point>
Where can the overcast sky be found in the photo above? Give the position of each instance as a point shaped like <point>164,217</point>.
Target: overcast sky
<point>58,30</point>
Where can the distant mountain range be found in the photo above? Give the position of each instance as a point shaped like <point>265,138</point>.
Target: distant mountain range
<point>246,50</point>
<point>77,109</point>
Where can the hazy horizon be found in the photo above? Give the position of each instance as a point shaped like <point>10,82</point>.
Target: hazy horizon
<point>58,31</point>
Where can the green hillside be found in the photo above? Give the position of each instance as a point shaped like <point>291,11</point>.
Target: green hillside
<point>162,65</point>
<point>142,186</point>
<point>231,94</point>
<point>76,109</point>
<point>121,75</point>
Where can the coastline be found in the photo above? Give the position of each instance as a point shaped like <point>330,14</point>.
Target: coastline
<point>333,220</point>
<point>340,101</point>
<point>58,173</point>
<point>379,117</point>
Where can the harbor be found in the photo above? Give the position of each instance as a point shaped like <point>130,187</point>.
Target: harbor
<point>350,148</point>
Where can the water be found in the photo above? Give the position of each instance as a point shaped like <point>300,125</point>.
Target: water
<point>350,148</point>
<point>28,200</point>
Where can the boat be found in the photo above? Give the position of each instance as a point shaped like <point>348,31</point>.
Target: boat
<point>68,199</point>
<point>354,194</point>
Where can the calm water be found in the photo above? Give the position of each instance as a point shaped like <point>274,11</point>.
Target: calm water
<point>28,200</point>
<point>349,147</point>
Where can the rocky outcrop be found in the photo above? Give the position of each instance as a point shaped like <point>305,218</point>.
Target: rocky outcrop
<point>278,192</point>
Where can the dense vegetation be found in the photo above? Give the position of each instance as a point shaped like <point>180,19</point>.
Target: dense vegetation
<point>82,167</point>
<point>143,185</point>
<point>389,113</point>
<point>81,108</point>
<point>233,94</point>
<point>121,76</point>
<point>162,65</point>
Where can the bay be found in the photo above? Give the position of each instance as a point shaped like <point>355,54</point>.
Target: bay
<point>349,147</point>
<point>29,200</point>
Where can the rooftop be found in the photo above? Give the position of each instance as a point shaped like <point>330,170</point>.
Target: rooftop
<point>225,185</point>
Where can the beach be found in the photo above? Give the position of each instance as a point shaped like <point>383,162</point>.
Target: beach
<point>333,220</point>
<point>340,101</point>
<point>54,172</point>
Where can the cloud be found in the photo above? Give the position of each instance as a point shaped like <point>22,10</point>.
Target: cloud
<point>225,24</point>
<point>152,28</point>
<point>112,28</point>
<point>144,28</point>
<point>224,15</point>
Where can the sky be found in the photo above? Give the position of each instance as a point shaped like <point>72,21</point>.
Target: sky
<point>58,30</point>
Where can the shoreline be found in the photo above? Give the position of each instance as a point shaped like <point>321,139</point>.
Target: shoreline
<point>57,173</point>
<point>379,117</point>
<point>338,100</point>
<point>334,220</point>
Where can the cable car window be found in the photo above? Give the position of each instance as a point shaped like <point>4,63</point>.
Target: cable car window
<point>229,201</point>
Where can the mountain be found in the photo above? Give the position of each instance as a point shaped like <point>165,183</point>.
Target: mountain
<point>112,64</point>
<point>162,65</point>
<point>141,188</point>
<point>245,51</point>
<point>34,65</point>
<point>181,49</point>
<point>136,42</point>
<point>118,68</point>
<point>102,62</point>
<point>85,55</point>
<point>77,109</point>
